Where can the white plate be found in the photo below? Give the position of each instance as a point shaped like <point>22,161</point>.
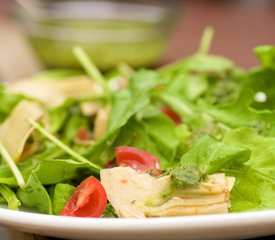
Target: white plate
<point>219,226</point>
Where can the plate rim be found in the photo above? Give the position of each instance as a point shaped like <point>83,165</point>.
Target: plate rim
<point>119,224</point>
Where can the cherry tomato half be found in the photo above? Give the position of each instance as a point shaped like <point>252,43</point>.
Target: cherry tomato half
<point>88,200</point>
<point>83,134</point>
<point>137,159</point>
<point>171,114</point>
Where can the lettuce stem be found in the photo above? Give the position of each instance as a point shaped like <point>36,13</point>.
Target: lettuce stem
<point>206,40</point>
<point>204,47</point>
<point>16,172</point>
<point>91,69</point>
<point>178,105</point>
<point>64,147</point>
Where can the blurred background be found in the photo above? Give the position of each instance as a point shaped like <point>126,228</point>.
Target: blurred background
<point>37,34</point>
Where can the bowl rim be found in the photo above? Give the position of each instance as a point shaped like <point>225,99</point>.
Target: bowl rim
<point>37,10</point>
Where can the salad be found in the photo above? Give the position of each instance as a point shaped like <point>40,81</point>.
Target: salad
<point>193,137</point>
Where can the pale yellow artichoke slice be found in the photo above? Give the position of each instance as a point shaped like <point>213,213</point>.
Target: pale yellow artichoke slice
<point>15,130</point>
<point>139,195</point>
<point>54,92</point>
<point>101,122</point>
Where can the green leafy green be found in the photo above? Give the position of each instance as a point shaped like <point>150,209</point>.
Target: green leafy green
<point>13,167</point>
<point>54,171</point>
<point>63,146</point>
<point>62,192</point>
<point>72,126</point>
<point>58,117</point>
<point>109,212</point>
<point>239,114</point>
<point>261,82</point>
<point>127,103</point>
<point>254,188</point>
<point>201,63</point>
<point>7,177</point>
<point>166,140</point>
<point>227,126</point>
<point>10,197</point>
<point>211,155</point>
<point>35,196</point>
<point>266,54</point>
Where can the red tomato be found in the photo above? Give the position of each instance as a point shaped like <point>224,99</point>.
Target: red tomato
<point>171,114</point>
<point>88,200</point>
<point>83,134</point>
<point>137,159</point>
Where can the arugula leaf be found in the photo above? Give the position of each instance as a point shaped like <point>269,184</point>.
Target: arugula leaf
<point>126,103</point>
<point>210,64</point>
<point>211,155</point>
<point>139,135</point>
<point>143,134</point>
<point>62,192</point>
<point>167,140</point>
<point>2,200</point>
<point>121,103</point>
<point>7,177</point>
<point>54,171</point>
<point>103,150</point>
<point>261,82</point>
<point>63,146</point>
<point>48,151</point>
<point>240,114</point>
<point>255,175</point>
<point>58,116</point>
<point>254,188</point>
<point>201,62</point>
<point>35,196</point>
<point>266,55</point>
<point>10,197</point>
<point>72,126</point>
<point>13,167</point>
<point>109,212</point>
<point>187,84</point>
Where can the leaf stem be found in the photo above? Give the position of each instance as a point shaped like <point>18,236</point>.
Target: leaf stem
<point>177,105</point>
<point>125,70</point>
<point>16,172</point>
<point>168,68</point>
<point>91,69</point>
<point>63,146</point>
<point>205,45</point>
<point>10,197</point>
<point>206,40</point>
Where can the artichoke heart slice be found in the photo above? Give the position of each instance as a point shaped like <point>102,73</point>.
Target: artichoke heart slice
<point>15,130</point>
<point>139,195</point>
<point>210,197</point>
<point>53,93</point>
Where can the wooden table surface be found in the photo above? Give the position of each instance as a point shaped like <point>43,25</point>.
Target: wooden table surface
<point>238,29</point>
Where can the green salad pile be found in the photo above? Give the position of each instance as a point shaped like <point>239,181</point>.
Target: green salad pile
<point>203,111</point>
